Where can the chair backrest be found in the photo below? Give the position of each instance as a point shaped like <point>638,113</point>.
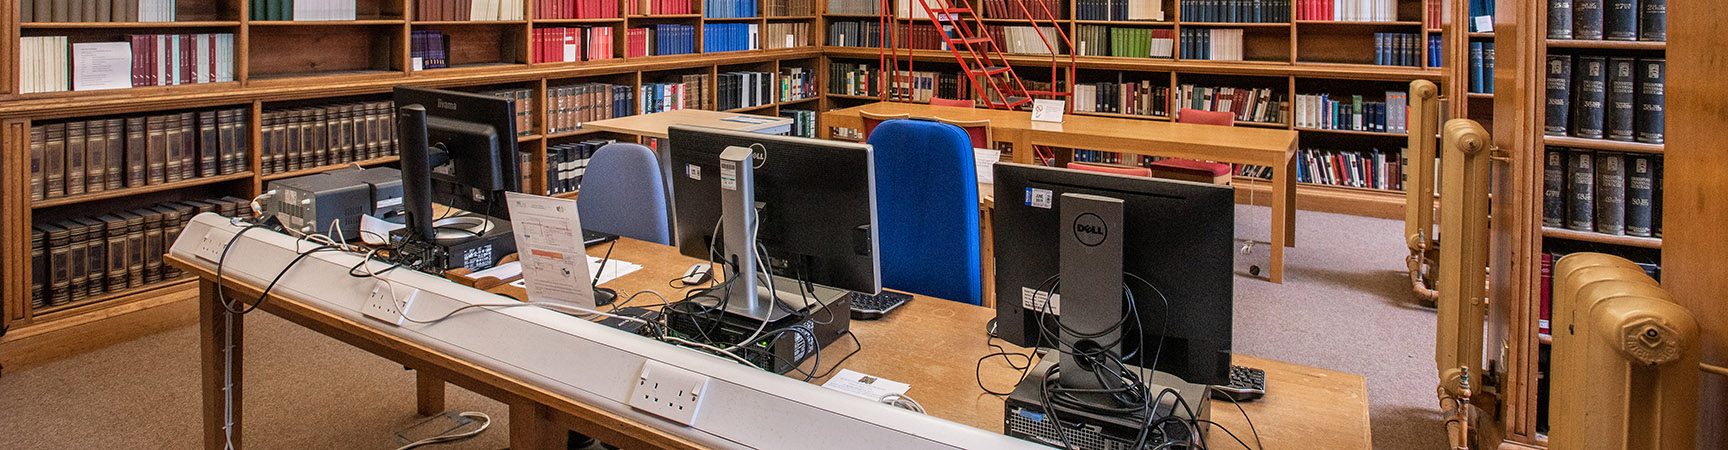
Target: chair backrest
<point>978,130</point>
<point>1202,117</point>
<point>872,120</point>
<point>623,193</point>
<point>963,103</point>
<point>1133,171</point>
<point>927,210</point>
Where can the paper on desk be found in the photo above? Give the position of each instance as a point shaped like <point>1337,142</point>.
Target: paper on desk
<point>548,236</point>
<point>614,269</point>
<point>983,159</point>
<point>376,231</point>
<point>865,386</point>
<point>502,271</point>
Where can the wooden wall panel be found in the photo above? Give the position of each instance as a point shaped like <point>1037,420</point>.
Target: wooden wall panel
<point>1695,214</point>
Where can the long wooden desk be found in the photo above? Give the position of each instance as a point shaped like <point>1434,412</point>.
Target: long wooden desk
<point>1240,145</point>
<point>931,344</point>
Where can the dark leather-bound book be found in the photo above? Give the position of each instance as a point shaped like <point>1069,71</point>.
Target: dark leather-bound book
<point>1610,193</point>
<point>1651,97</point>
<point>115,174</point>
<point>77,259</point>
<point>1620,20</point>
<point>209,144</point>
<point>199,207</point>
<point>1559,19</point>
<point>137,146</point>
<point>75,158</point>
<point>1590,92</point>
<point>1554,188</point>
<point>156,148</point>
<point>95,156</point>
<point>1621,86</point>
<point>1581,198</point>
<point>54,160</point>
<point>59,263</point>
<point>188,146</point>
<point>1640,184</point>
<point>95,256</point>
<point>293,144</point>
<point>134,248</point>
<point>309,139</point>
<point>1587,19</point>
<point>38,148</point>
<point>1559,98</point>
<point>1656,198</point>
<point>242,140</point>
<point>114,231</point>
<point>152,245</point>
<point>38,268</point>
<point>1653,20</point>
<point>171,226</point>
<point>173,152</point>
<point>240,207</point>
<point>323,133</point>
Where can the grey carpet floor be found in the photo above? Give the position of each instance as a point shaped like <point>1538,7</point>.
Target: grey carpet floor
<point>1344,306</point>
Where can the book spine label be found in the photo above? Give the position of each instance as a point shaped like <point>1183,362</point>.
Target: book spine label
<point>1559,95</point>
<point>38,148</point>
<point>1621,87</point>
<point>1590,87</point>
<point>1639,188</point>
<point>157,149</point>
<point>1652,76</point>
<point>116,159</point>
<point>1610,193</point>
<point>75,158</point>
<point>1620,20</point>
<point>1653,20</point>
<point>1559,19</point>
<point>1587,19</point>
<point>1554,189</point>
<point>1581,204</point>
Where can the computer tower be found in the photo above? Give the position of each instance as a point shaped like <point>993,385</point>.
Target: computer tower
<point>1027,416</point>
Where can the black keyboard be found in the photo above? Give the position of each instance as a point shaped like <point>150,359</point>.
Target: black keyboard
<point>1246,383</point>
<point>872,307</point>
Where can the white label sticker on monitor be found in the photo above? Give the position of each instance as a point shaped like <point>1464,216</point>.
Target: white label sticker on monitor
<point>693,171</point>
<point>1034,300</point>
<point>728,177</point>
<point>1040,198</point>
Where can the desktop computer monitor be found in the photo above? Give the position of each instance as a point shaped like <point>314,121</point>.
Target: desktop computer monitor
<point>459,150</point>
<point>815,202</point>
<point>1175,235</point>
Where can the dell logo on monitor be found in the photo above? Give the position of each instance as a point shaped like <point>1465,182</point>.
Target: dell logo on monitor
<point>1090,229</point>
<point>446,105</point>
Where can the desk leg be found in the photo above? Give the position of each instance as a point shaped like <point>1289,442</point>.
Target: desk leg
<point>1290,203</point>
<point>1283,199</point>
<point>428,393</point>
<point>531,427</point>
<point>220,337</point>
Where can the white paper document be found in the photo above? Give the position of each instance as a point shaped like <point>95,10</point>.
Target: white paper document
<point>865,386</point>
<point>984,159</point>
<point>549,244</point>
<point>101,65</point>
<point>612,271</point>
<point>1048,110</point>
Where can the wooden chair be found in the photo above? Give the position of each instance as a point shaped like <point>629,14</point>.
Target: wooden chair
<point>1130,171</point>
<point>962,103</point>
<point>1191,170</point>
<point>978,130</point>
<point>871,120</point>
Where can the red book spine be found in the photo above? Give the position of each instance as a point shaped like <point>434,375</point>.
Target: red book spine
<point>138,60</point>
<point>1544,319</point>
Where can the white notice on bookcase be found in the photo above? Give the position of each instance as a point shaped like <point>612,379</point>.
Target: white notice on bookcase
<point>101,65</point>
<point>1047,110</point>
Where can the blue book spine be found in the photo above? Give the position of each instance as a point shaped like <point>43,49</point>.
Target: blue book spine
<point>1487,67</point>
<point>1476,69</point>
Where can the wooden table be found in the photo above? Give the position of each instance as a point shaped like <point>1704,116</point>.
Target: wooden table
<point>1240,145</point>
<point>655,125</point>
<point>931,344</point>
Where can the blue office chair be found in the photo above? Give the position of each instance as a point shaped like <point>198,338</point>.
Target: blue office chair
<point>927,210</point>
<point>623,193</point>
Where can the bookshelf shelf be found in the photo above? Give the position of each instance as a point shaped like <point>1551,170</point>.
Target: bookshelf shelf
<point>1602,144</point>
<point>468,22</point>
<point>1146,23</point>
<point>1236,24</point>
<point>323,23</point>
<point>750,109</point>
<point>1475,35</point>
<point>1628,241</point>
<point>296,173</point>
<point>1242,123</point>
<point>107,300</point>
<point>528,138</point>
<point>731,19</point>
<point>1607,45</point>
<point>89,25</point>
<point>1479,95</point>
<point>801,100</point>
<point>1353,132</point>
<point>791,17</point>
<point>1125,116</point>
<point>556,21</point>
<point>1545,339</point>
<point>668,16</point>
<point>1358,23</point>
<point>127,192</point>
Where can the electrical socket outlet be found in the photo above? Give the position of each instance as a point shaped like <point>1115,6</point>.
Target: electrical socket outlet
<point>669,392</point>
<point>382,306</point>
<point>210,248</point>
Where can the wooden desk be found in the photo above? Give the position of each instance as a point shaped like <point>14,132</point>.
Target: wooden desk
<point>655,125</point>
<point>1240,145</point>
<point>930,343</point>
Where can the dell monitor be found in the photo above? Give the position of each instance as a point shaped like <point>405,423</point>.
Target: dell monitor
<point>814,212</point>
<point>459,150</point>
<point>1176,236</point>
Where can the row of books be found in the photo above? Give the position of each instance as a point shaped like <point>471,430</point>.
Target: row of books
<point>1119,9</point>
<point>575,9</point>
<point>1481,67</point>
<point>803,122</point>
<point>861,79</point>
<point>568,107</point>
<point>1545,312</point>
<point>1435,50</point>
<point>1026,9</point>
<point>428,49</point>
<point>316,136</point>
<point>1352,113</point>
<point>52,64</point>
<point>1025,40</point>
<point>1431,20</point>
<point>787,34</point>
<point>658,7</point>
<point>176,59</point>
<point>1614,20</point>
<point>856,34</point>
<point>1371,169</point>
<point>921,86</point>
<point>1398,49</point>
<point>1347,10</point>
<point>689,92</point>
<point>466,10</point>
<point>730,37</point>
<point>1215,44</point>
<point>1600,97</point>
<point>855,7</point>
<point>572,44</point>
<point>522,104</point>
<point>42,64</point>
<point>660,39</point>
<point>1603,192</point>
<point>724,9</point>
<point>567,163</point>
<point>76,259</point>
<point>1102,40</point>
<point>303,10</point>
<point>734,90</point>
<point>1238,11</point>
<point>796,84</point>
<point>79,157</point>
<point>1260,105</point>
<point>96,11</point>
<point>1143,98</point>
<point>923,36</point>
<point>791,8</point>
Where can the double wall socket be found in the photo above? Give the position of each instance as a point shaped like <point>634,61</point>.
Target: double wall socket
<point>669,392</point>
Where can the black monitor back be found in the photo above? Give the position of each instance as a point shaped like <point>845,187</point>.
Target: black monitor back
<point>817,203</point>
<point>471,145</point>
<point>1177,236</point>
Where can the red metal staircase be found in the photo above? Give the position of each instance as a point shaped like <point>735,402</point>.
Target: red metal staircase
<point>982,61</point>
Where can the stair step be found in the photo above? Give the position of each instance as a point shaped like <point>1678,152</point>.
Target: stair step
<point>992,70</point>
<point>1011,103</point>
<point>935,11</point>
<point>968,41</point>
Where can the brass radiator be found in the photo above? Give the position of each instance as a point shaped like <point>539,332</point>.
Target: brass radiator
<point>1472,405</point>
<point>1424,122</point>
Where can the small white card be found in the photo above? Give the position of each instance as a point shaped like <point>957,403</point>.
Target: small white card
<point>984,161</point>
<point>1484,24</point>
<point>865,386</point>
<point>101,65</point>
<point>1048,110</point>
